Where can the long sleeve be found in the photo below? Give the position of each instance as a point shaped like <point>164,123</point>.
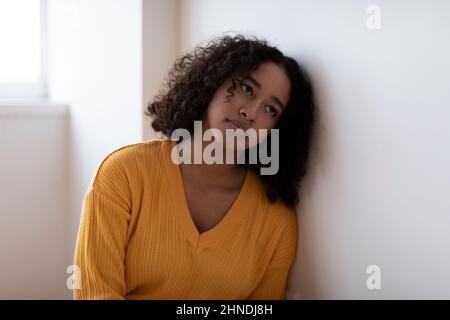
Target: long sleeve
<point>101,240</point>
<point>273,283</point>
<point>136,239</point>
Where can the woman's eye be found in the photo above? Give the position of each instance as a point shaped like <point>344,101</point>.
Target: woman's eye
<point>271,110</point>
<point>247,88</point>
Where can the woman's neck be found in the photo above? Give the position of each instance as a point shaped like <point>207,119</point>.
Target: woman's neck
<point>227,176</point>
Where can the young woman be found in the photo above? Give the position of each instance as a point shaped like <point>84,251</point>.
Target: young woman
<point>152,228</point>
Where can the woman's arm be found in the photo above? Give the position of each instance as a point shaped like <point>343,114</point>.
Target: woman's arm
<point>101,240</point>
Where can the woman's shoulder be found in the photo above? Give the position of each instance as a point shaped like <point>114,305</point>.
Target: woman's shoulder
<point>125,164</point>
<point>259,191</point>
<point>286,215</point>
<point>149,148</point>
<point>128,154</point>
<point>274,213</point>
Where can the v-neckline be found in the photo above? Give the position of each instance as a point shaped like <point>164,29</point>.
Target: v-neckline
<point>226,225</point>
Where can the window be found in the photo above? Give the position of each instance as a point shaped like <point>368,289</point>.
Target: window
<point>23,49</point>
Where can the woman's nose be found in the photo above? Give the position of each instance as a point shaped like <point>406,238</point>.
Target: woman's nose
<point>248,113</point>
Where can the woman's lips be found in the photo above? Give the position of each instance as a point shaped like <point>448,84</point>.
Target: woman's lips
<point>241,132</point>
<point>233,124</point>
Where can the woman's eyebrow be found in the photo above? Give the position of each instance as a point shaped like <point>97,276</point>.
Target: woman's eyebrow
<point>275,99</point>
<point>254,81</point>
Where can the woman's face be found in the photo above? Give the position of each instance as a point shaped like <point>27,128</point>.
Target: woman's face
<point>257,102</point>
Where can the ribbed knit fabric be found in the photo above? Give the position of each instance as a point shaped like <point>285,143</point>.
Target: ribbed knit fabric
<point>137,240</point>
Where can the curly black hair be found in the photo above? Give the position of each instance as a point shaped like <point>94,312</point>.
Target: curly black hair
<point>193,80</point>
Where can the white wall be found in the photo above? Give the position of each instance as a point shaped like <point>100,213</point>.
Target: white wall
<point>160,42</point>
<point>33,198</point>
<point>95,61</point>
<point>377,189</point>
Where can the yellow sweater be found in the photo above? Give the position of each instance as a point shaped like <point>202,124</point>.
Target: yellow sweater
<point>137,240</point>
